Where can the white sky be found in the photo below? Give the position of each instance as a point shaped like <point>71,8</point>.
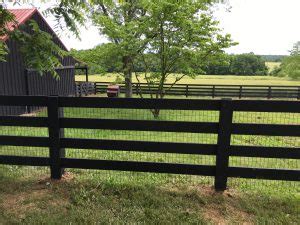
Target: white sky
<point>260,26</point>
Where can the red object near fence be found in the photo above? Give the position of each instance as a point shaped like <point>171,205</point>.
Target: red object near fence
<point>113,91</point>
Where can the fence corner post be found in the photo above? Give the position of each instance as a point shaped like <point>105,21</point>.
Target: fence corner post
<point>224,136</point>
<point>55,134</point>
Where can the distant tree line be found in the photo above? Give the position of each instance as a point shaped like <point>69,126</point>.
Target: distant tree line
<point>102,60</point>
<point>273,58</point>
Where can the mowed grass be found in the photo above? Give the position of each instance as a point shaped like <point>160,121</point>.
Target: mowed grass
<point>27,196</point>
<point>206,79</point>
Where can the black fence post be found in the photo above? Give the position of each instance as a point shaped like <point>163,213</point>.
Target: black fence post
<point>269,92</point>
<point>213,91</point>
<point>95,88</point>
<point>298,97</point>
<point>187,91</point>
<point>241,91</point>
<point>55,133</point>
<point>224,136</point>
<point>86,75</point>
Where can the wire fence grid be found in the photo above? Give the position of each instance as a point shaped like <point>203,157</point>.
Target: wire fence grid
<point>165,115</point>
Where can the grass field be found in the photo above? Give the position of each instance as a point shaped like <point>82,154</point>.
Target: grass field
<point>272,65</point>
<point>208,79</point>
<point>28,197</point>
<point>73,201</point>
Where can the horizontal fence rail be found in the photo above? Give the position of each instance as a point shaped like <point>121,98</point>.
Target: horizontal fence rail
<point>200,90</point>
<point>222,150</point>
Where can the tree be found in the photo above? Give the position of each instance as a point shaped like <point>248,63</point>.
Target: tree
<point>125,25</point>
<point>100,59</point>
<point>290,66</point>
<point>296,49</point>
<point>187,39</point>
<point>124,22</point>
<point>5,19</point>
<point>248,64</point>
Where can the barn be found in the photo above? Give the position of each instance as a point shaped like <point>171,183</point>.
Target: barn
<point>16,79</point>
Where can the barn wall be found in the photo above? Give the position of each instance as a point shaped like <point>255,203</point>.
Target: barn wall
<point>46,84</point>
<point>13,81</point>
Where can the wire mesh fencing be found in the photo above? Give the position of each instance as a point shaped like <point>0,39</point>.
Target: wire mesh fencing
<point>147,136</point>
<point>24,171</point>
<point>162,137</point>
<point>266,141</point>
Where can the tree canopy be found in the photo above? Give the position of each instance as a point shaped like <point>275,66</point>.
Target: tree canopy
<point>133,28</point>
<point>290,66</point>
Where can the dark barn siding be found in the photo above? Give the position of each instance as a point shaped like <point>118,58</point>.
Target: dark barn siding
<point>12,75</point>
<point>12,79</point>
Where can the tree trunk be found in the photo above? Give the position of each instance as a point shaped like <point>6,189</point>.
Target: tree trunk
<point>127,67</point>
<point>128,85</point>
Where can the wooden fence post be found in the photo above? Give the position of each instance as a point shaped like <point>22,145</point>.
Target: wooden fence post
<point>55,133</point>
<point>187,91</point>
<point>86,75</point>
<point>224,136</point>
<point>95,88</point>
<point>241,91</point>
<point>136,89</point>
<point>269,92</point>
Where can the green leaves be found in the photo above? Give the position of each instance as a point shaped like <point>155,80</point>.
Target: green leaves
<point>5,18</point>
<point>290,67</point>
<point>187,35</point>
<point>101,59</point>
<point>248,64</point>
<point>3,51</point>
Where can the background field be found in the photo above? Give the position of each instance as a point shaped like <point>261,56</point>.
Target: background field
<point>207,79</point>
<point>272,65</point>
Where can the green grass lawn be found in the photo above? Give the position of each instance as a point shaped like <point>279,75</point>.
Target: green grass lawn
<point>27,196</point>
<point>207,79</point>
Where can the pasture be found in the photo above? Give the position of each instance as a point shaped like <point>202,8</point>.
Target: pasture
<point>28,196</point>
<point>272,65</point>
<point>206,79</point>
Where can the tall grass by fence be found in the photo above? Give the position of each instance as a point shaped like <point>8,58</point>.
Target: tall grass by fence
<point>197,90</point>
<point>224,136</point>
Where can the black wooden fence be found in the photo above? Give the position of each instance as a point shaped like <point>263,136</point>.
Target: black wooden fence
<point>55,122</point>
<point>201,90</point>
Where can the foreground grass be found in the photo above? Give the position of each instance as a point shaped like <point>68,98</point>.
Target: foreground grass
<point>207,79</point>
<point>75,201</point>
<point>89,197</point>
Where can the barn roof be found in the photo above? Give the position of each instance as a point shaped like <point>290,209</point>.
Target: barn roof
<point>22,16</point>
